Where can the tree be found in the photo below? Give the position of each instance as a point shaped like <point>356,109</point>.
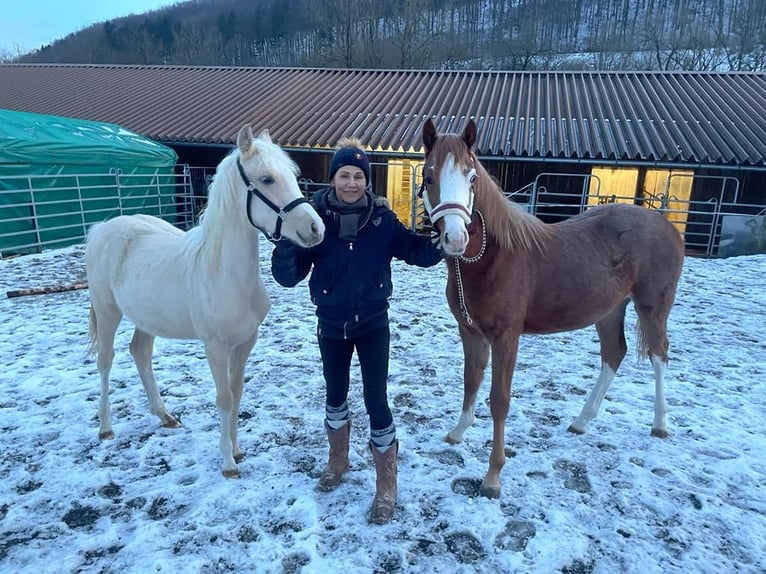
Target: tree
<point>11,54</point>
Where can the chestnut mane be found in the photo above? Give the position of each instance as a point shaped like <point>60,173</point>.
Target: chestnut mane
<point>507,222</point>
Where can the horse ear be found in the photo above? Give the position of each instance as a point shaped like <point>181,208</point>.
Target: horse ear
<point>469,134</point>
<point>265,136</point>
<point>429,135</point>
<point>245,139</point>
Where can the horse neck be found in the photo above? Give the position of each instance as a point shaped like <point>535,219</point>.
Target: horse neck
<point>229,241</point>
<point>508,225</point>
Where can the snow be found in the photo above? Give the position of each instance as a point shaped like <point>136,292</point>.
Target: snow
<point>611,500</point>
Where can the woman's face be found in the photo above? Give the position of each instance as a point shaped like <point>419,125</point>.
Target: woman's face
<point>349,183</point>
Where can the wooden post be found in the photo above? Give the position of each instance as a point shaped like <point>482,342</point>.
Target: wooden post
<point>47,290</point>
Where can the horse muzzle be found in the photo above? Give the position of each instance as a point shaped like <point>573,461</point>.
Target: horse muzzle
<point>304,229</point>
<point>453,238</point>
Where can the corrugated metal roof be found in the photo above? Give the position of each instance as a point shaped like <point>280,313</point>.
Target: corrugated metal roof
<point>669,117</point>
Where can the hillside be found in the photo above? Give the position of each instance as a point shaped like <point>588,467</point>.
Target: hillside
<point>431,34</point>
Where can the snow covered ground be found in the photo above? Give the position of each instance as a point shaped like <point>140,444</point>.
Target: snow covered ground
<point>611,500</point>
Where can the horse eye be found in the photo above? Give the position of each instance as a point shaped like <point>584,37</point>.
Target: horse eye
<point>429,180</point>
<point>472,176</point>
<point>267,180</point>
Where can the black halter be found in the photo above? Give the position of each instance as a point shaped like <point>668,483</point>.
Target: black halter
<point>281,212</point>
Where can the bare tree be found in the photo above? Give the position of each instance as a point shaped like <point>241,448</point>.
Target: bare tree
<point>12,53</point>
<point>410,33</point>
<point>456,34</point>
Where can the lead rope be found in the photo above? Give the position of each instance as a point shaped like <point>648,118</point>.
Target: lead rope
<point>460,292</point>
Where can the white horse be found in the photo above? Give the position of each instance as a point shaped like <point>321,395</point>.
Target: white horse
<point>202,284</point>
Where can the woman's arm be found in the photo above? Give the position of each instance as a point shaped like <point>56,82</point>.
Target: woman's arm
<point>289,263</point>
<point>414,249</point>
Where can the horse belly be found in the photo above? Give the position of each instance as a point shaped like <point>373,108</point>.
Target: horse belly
<point>160,312</point>
<point>152,288</point>
<point>556,323</point>
<point>571,314</point>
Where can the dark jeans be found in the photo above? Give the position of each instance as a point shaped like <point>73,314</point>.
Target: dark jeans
<point>372,349</point>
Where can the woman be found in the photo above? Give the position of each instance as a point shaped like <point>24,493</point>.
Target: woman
<point>350,285</point>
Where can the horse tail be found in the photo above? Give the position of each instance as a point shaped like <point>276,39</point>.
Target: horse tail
<point>92,332</point>
<point>642,347</point>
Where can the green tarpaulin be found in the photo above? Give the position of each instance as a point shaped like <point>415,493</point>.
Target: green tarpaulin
<point>58,175</point>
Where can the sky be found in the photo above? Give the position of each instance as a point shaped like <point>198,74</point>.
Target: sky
<point>611,500</point>
<point>30,24</point>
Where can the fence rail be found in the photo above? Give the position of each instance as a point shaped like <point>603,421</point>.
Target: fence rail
<point>40,212</point>
<point>710,228</point>
<point>51,211</point>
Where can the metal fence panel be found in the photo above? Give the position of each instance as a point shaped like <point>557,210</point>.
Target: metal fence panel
<point>45,211</point>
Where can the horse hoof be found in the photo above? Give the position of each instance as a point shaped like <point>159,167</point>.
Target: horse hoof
<point>660,433</point>
<point>107,435</point>
<point>451,440</point>
<point>575,430</point>
<point>239,457</point>
<point>170,423</point>
<point>490,491</point>
<point>231,473</point>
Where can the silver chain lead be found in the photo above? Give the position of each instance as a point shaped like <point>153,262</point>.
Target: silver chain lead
<point>459,278</point>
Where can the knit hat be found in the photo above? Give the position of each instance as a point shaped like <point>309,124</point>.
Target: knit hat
<point>350,156</point>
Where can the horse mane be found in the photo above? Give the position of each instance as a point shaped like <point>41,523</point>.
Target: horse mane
<point>506,222</point>
<point>204,240</point>
<point>226,198</point>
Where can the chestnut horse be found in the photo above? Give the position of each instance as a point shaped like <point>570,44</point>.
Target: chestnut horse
<point>509,273</point>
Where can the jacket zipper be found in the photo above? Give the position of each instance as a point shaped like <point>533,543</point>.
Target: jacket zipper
<point>345,326</point>
<point>356,317</point>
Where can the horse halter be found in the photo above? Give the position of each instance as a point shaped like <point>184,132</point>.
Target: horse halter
<point>435,213</point>
<point>281,212</point>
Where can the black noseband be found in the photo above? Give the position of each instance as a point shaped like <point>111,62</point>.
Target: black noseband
<point>281,212</point>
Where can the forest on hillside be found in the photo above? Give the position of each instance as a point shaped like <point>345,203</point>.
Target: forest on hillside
<point>430,34</point>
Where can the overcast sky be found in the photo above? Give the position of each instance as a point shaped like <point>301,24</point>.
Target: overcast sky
<point>27,25</point>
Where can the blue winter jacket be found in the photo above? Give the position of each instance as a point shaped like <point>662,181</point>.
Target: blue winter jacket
<point>351,280</point>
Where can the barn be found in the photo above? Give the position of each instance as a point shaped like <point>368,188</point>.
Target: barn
<point>692,144</point>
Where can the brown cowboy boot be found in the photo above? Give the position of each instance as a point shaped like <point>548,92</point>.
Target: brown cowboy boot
<point>338,460</point>
<point>385,485</point>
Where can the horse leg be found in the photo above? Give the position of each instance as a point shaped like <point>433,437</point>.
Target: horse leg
<point>141,348</point>
<point>476,354</point>
<point>504,352</point>
<point>103,326</point>
<point>218,356</point>
<point>237,380</point>
<point>653,341</point>
<point>611,335</point>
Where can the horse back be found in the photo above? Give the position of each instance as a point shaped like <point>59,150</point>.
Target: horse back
<point>593,262</point>
<point>128,240</point>
<point>629,235</point>
<point>134,263</point>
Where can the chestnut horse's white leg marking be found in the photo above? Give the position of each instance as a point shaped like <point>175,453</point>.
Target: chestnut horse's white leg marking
<point>467,418</point>
<point>593,404</point>
<point>659,427</point>
<point>476,355</point>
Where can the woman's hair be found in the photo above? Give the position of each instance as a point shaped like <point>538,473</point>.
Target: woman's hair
<point>349,151</point>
